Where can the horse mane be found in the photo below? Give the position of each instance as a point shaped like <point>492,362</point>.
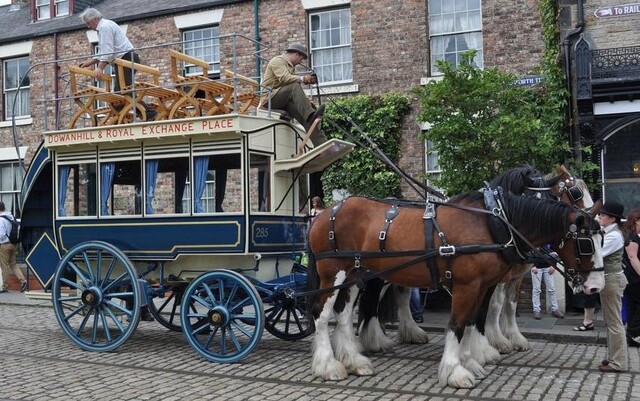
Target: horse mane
<point>521,181</point>
<point>541,216</point>
<point>514,180</point>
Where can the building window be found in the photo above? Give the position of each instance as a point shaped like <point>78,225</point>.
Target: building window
<point>330,33</point>
<point>455,27</point>
<point>46,9</point>
<point>432,169</point>
<point>10,182</point>
<point>203,44</point>
<point>14,70</point>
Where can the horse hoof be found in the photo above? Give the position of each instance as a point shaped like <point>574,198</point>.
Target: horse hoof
<point>476,370</point>
<point>363,371</point>
<point>333,371</point>
<point>461,378</point>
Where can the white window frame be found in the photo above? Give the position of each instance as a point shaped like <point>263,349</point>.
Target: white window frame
<point>61,7</point>
<point>332,61</point>
<point>10,196</point>
<point>47,9</point>
<point>203,48</point>
<point>22,91</point>
<point>456,27</point>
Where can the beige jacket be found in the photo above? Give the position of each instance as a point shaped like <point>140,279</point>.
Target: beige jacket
<point>279,73</point>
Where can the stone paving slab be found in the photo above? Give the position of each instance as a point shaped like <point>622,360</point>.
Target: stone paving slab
<point>38,362</point>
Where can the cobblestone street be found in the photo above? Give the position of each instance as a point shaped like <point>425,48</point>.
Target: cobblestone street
<point>40,363</point>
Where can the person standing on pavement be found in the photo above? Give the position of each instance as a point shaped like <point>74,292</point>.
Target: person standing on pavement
<point>416,305</point>
<point>542,271</point>
<point>631,267</point>
<point>615,282</point>
<point>8,252</point>
<point>113,43</point>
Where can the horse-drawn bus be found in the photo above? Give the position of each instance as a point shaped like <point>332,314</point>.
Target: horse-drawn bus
<point>196,213</point>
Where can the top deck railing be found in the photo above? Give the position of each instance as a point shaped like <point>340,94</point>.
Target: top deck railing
<point>166,84</point>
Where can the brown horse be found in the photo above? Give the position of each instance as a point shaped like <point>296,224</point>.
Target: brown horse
<point>500,325</point>
<point>345,242</point>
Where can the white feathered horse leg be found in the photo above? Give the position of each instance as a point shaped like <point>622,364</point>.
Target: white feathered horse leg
<point>408,330</point>
<point>335,366</point>
<point>508,317</point>
<point>492,327</point>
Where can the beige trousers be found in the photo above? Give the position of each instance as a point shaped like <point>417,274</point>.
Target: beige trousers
<point>611,300</point>
<point>8,261</point>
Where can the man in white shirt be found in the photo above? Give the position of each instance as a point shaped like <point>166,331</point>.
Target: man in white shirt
<point>113,43</point>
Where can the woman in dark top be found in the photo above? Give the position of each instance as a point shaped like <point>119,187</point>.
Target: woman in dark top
<point>631,266</point>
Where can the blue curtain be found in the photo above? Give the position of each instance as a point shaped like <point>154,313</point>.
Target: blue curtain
<point>201,167</point>
<point>151,174</point>
<point>107,172</point>
<point>63,179</point>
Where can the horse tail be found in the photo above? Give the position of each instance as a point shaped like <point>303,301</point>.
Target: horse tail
<point>369,301</point>
<point>313,280</point>
<point>377,299</point>
<point>388,309</point>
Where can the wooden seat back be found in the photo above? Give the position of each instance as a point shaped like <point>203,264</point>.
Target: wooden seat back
<point>247,91</point>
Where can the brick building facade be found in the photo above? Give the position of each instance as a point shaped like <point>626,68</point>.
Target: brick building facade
<point>391,46</point>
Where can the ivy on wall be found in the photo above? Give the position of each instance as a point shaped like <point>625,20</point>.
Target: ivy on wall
<point>381,119</point>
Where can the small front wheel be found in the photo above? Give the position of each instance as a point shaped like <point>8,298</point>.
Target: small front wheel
<point>222,316</point>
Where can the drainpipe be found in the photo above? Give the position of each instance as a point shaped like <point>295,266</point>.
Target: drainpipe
<point>256,28</point>
<point>56,77</point>
<point>574,135</point>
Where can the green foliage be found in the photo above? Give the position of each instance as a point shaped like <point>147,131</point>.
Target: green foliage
<point>360,172</point>
<point>483,124</point>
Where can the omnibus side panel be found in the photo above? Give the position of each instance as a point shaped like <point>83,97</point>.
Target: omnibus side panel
<point>158,238</point>
<point>277,233</point>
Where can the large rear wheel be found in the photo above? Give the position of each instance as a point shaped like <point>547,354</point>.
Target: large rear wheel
<point>96,296</point>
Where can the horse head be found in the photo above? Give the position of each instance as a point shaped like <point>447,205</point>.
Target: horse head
<point>581,253</point>
<point>574,234</point>
<point>571,190</point>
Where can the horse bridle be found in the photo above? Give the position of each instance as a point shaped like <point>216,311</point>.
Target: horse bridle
<point>584,247</point>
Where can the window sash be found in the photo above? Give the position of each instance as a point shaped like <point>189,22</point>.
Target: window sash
<point>61,7</point>
<point>10,181</point>
<point>455,27</point>
<point>203,44</point>
<point>330,33</point>
<point>14,71</point>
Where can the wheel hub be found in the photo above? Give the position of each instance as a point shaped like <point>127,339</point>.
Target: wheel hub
<point>219,316</point>
<point>92,296</point>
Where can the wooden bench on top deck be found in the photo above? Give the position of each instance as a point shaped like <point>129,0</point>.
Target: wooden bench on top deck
<point>145,85</point>
<point>87,96</point>
<point>247,91</point>
<point>217,95</point>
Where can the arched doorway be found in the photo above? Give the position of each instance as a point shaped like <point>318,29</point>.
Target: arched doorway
<point>620,158</point>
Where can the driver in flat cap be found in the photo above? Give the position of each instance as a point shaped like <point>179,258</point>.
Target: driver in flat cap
<point>286,90</point>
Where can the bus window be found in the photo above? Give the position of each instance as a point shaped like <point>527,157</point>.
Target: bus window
<point>218,179</point>
<point>259,183</point>
<point>120,188</point>
<point>165,181</point>
<point>77,190</point>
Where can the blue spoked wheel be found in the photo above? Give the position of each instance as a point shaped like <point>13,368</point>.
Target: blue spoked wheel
<point>222,316</point>
<point>96,296</point>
